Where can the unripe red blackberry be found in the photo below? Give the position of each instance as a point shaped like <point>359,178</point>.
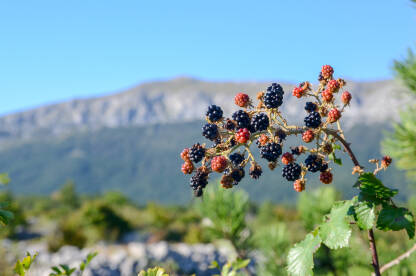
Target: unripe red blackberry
<point>386,161</point>
<point>308,136</point>
<point>262,140</point>
<point>333,115</point>
<point>185,154</point>
<point>333,86</point>
<point>242,135</point>
<point>214,113</point>
<point>327,71</point>
<point>287,158</point>
<point>299,185</point>
<point>327,95</point>
<point>242,100</point>
<point>187,167</point>
<point>196,153</point>
<point>255,171</point>
<point>298,92</point>
<point>326,177</point>
<point>218,163</point>
<point>346,97</point>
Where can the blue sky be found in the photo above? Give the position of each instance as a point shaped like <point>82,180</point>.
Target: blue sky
<point>56,50</point>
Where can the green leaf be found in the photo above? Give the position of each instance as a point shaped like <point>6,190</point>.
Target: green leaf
<point>239,263</point>
<point>364,214</point>
<point>157,271</point>
<point>335,159</point>
<point>373,190</point>
<point>335,146</point>
<point>336,231</point>
<point>300,257</point>
<point>394,218</point>
<point>5,217</point>
<point>87,261</point>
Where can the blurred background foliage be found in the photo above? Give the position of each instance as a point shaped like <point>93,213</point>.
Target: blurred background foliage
<point>263,232</point>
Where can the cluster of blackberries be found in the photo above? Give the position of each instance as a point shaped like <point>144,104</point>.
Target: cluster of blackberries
<point>271,151</point>
<point>274,96</point>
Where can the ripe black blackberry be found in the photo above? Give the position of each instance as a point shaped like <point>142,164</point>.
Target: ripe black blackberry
<point>313,120</point>
<point>242,118</point>
<point>295,150</point>
<point>324,167</point>
<point>236,158</point>
<point>291,171</point>
<point>274,96</point>
<point>199,181</point>
<point>210,131</point>
<point>214,113</point>
<point>313,163</point>
<point>259,122</point>
<point>229,125</point>
<point>233,142</point>
<point>237,174</point>
<point>271,151</point>
<point>196,153</point>
<point>310,106</point>
<point>255,171</point>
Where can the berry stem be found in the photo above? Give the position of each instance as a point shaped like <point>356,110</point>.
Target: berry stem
<point>398,259</point>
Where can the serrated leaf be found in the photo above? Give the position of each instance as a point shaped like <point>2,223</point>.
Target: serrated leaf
<point>336,231</point>
<point>373,190</point>
<point>364,214</point>
<point>394,218</point>
<point>300,257</point>
<point>335,146</point>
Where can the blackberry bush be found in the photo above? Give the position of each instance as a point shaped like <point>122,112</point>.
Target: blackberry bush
<point>265,125</point>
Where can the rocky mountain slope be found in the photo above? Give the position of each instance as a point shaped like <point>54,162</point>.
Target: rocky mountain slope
<point>181,100</point>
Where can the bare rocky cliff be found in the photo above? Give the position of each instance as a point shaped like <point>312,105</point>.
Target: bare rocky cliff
<point>179,100</point>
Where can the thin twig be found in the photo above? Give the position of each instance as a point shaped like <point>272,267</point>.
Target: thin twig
<point>398,259</point>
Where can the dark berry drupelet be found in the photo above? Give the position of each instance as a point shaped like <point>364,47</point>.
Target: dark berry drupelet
<point>313,120</point>
<point>260,122</point>
<point>237,174</point>
<point>196,153</point>
<point>214,113</point>
<point>313,163</point>
<point>242,118</point>
<point>229,125</point>
<point>274,96</point>
<point>271,151</point>
<point>324,167</point>
<point>291,171</point>
<point>210,131</point>
<point>310,106</point>
<point>236,158</point>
